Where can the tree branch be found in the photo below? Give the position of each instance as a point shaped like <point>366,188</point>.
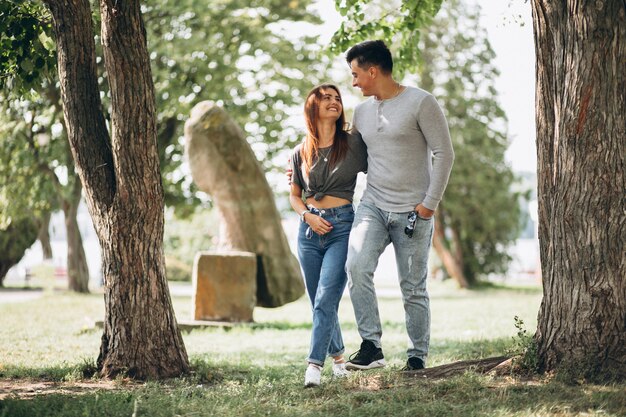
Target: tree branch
<point>445,371</point>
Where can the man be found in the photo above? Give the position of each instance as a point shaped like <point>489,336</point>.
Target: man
<point>410,156</point>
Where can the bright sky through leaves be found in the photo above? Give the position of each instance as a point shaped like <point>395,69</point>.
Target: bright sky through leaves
<point>509,27</point>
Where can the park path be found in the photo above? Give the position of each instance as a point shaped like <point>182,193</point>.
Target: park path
<point>12,295</point>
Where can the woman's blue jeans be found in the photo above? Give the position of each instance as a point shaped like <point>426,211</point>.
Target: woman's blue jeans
<point>323,260</point>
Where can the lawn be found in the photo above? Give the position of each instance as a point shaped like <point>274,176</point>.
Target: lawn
<point>47,343</point>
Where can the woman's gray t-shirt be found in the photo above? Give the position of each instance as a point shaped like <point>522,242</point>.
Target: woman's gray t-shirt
<point>338,182</point>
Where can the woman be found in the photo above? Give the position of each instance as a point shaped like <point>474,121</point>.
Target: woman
<point>325,167</point>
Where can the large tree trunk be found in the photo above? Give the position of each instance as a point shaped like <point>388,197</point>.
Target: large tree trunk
<point>581,87</point>
<point>122,184</point>
<point>77,268</point>
<point>449,262</point>
<point>223,165</point>
<point>44,235</point>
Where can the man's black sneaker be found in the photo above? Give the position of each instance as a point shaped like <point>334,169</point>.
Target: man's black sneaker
<point>368,357</point>
<point>413,364</point>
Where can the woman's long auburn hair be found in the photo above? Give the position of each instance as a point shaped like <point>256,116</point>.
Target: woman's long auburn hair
<point>310,149</point>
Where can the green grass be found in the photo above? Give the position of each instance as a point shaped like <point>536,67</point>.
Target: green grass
<point>258,370</point>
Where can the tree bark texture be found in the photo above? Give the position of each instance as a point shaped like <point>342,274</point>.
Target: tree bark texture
<point>224,166</point>
<point>44,235</point>
<point>122,184</point>
<point>581,147</point>
<point>77,268</point>
<point>449,262</point>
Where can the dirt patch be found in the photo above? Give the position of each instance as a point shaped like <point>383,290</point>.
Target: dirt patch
<point>22,389</point>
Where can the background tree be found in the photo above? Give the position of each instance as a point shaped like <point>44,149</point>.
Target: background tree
<point>22,214</point>
<point>581,85</point>
<point>480,214</point>
<point>33,142</point>
<point>27,61</point>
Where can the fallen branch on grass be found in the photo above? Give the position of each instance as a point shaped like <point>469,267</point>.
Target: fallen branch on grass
<point>443,371</point>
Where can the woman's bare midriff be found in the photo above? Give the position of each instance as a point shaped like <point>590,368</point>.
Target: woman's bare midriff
<point>328,201</point>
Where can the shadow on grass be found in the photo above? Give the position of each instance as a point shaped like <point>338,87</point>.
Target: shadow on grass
<point>206,370</point>
<point>25,287</point>
<point>280,325</point>
<point>483,286</point>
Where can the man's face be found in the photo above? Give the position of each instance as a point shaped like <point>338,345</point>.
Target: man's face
<point>362,78</point>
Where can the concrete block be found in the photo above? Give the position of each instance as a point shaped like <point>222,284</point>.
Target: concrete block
<point>224,286</point>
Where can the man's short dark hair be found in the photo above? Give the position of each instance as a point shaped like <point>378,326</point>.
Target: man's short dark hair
<point>370,53</point>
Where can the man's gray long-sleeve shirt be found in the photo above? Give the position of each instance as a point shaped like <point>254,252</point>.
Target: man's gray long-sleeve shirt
<point>409,150</point>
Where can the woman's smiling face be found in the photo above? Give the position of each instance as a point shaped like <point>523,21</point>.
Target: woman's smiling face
<point>330,106</point>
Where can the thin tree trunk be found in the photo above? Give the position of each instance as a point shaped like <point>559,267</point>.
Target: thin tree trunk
<point>122,184</point>
<point>77,268</point>
<point>581,86</point>
<point>449,262</point>
<point>44,235</point>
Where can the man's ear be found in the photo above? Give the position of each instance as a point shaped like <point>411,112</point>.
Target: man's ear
<point>372,71</point>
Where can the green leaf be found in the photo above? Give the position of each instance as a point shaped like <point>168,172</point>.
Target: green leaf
<point>27,65</point>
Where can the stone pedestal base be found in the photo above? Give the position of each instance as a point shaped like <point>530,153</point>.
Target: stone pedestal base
<point>224,286</point>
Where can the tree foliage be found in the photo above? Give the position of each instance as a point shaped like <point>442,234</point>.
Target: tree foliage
<point>236,53</point>
<point>26,46</point>
<point>24,190</point>
<point>399,22</point>
<point>27,60</point>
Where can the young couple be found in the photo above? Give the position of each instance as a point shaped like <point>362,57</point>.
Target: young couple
<point>400,137</point>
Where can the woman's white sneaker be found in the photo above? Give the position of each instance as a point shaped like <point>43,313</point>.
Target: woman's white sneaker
<point>313,375</point>
<point>339,370</point>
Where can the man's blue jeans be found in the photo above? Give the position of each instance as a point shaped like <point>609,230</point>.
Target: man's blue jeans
<point>323,260</point>
<point>372,231</point>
